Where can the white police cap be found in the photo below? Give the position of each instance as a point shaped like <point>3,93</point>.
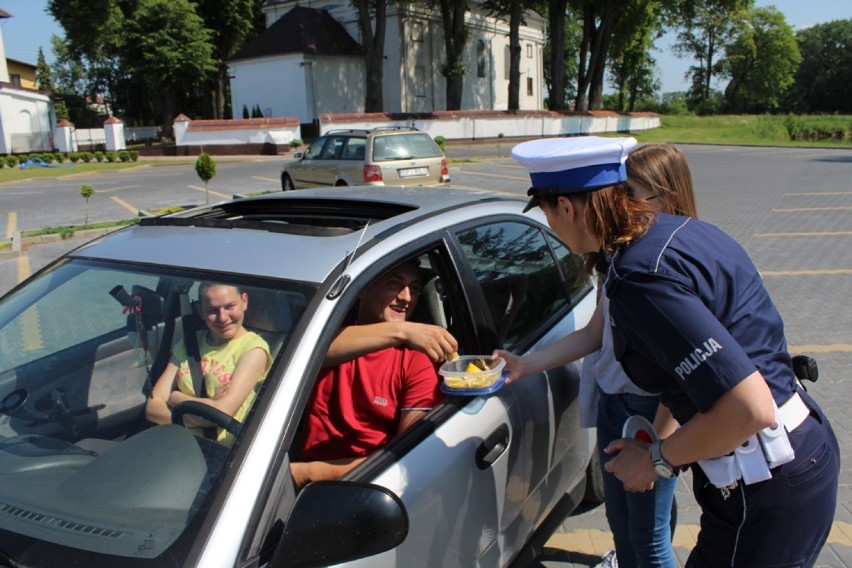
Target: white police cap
<point>569,165</point>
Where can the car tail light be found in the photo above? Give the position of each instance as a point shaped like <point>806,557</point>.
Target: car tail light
<point>372,173</point>
<point>445,170</point>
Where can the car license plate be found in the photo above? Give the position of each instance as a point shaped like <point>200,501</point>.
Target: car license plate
<point>413,172</point>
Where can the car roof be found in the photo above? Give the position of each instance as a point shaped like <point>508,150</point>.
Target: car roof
<point>301,235</point>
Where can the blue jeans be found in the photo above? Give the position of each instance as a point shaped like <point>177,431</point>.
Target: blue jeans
<point>639,521</point>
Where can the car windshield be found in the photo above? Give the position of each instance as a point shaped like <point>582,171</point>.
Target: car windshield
<point>85,477</point>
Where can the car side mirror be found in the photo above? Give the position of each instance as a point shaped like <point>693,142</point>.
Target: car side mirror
<point>337,521</point>
<point>298,155</point>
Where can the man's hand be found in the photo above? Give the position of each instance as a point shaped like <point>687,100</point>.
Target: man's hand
<point>433,340</point>
<point>632,464</point>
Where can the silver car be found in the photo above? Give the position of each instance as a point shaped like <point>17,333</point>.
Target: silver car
<point>482,480</point>
<point>381,156</point>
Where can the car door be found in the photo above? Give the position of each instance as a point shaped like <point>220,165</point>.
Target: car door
<point>305,171</point>
<point>492,467</point>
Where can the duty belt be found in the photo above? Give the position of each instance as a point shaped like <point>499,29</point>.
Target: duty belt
<point>769,448</point>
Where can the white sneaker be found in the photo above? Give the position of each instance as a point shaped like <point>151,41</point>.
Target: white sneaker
<point>608,560</point>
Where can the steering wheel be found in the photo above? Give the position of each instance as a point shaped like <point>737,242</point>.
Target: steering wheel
<point>207,412</point>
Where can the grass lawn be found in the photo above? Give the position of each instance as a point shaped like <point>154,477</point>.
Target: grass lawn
<point>762,130</point>
<point>8,174</point>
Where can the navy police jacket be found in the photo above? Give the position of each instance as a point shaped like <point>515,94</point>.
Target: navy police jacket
<point>690,316</point>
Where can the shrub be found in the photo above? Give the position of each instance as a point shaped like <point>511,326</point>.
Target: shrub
<point>99,156</point>
<point>74,157</point>
<point>11,161</point>
<point>296,142</point>
<point>59,157</point>
<point>134,156</point>
<point>124,156</point>
<point>86,156</point>
<point>441,142</point>
<point>111,156</point>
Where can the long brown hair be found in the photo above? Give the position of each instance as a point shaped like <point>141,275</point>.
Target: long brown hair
<point>662,168</point>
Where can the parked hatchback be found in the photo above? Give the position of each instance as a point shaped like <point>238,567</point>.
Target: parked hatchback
<point>482,480</point>
<point>381,156</point>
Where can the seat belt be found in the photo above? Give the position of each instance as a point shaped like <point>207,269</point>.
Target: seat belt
<point>193,352</point>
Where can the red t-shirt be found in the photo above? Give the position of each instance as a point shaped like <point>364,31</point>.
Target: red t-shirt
<point>355,407</point>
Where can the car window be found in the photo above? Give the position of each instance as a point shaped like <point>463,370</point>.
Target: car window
<point>331,151</point>
<point>520,278</point>
<point>315,149</point>
<point>404,147</point>
<point>80,348</point>
<point>36,332</point>
<point>354,149</point>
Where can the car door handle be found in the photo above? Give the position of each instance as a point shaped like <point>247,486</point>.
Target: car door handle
<point>493,447</point>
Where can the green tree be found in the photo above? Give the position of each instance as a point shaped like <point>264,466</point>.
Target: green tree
<point>168,45</point>
<point>761,61</point>
<point>512,11</point>
<point>372,23</point>
<point>706,26</point>
<point>632,69</point>
<point>557,55</point>
<point>43,75</point>
<point>205,167</point>
<point>231,23</point>
<point>87,191</point>
<point>456,35</point>
<point>823,82</point>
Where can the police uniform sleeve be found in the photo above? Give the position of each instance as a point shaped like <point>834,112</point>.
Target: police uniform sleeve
<point>661,319</point>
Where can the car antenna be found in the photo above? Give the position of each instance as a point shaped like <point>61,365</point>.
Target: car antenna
<point>341,283</point>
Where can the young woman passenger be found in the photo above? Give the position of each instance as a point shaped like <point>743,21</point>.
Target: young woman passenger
<point>692,322</point>
<point>641,523</point>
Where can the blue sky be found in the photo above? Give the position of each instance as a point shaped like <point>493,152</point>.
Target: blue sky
<point>31,28</point>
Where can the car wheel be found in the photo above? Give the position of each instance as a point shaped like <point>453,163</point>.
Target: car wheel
<point>594,494</point>
<point>340,183</point>
<point>287,183</point>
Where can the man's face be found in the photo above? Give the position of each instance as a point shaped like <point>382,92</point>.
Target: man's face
<point>223,308</point>
<point>392,297</point>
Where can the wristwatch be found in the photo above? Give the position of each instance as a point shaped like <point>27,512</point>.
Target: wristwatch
<point>663,468</point>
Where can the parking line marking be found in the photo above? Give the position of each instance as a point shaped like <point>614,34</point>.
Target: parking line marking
<point>24,268</point>
<point>825,272</point>
<point>125,204</point>
<point>265,178</point>
<point>797,209</point>
<point>814,234</point>
<point>195,187</point>
<point>111,189</point>
<point>483,174</point>
<point>12,224</point>
<point>831,348</point>
<point>806,194</point>
<point>30,323</point>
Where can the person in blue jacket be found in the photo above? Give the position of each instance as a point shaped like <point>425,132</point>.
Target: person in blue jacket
<point>692,322</point>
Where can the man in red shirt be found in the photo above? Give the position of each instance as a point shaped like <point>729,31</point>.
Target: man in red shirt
<point>379,378</point>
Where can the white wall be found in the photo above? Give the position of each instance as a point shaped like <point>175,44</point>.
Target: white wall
<point>4,68</point>
<point>525,125</point>
<point>25,114</point>
<point>274,83</point>
<point>285,86</point>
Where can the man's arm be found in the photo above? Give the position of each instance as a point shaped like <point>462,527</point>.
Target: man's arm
<point>308,472</point>
<point>355,340</point>
<point>156,407</point>
<point>231,395</point>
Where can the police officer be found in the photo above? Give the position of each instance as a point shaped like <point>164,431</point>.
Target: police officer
<point>692,321</point>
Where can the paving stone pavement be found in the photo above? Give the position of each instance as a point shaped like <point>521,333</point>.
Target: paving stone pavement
<point>790,208</point>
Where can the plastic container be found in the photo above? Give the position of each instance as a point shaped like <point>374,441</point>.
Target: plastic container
<point>466,376</point>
